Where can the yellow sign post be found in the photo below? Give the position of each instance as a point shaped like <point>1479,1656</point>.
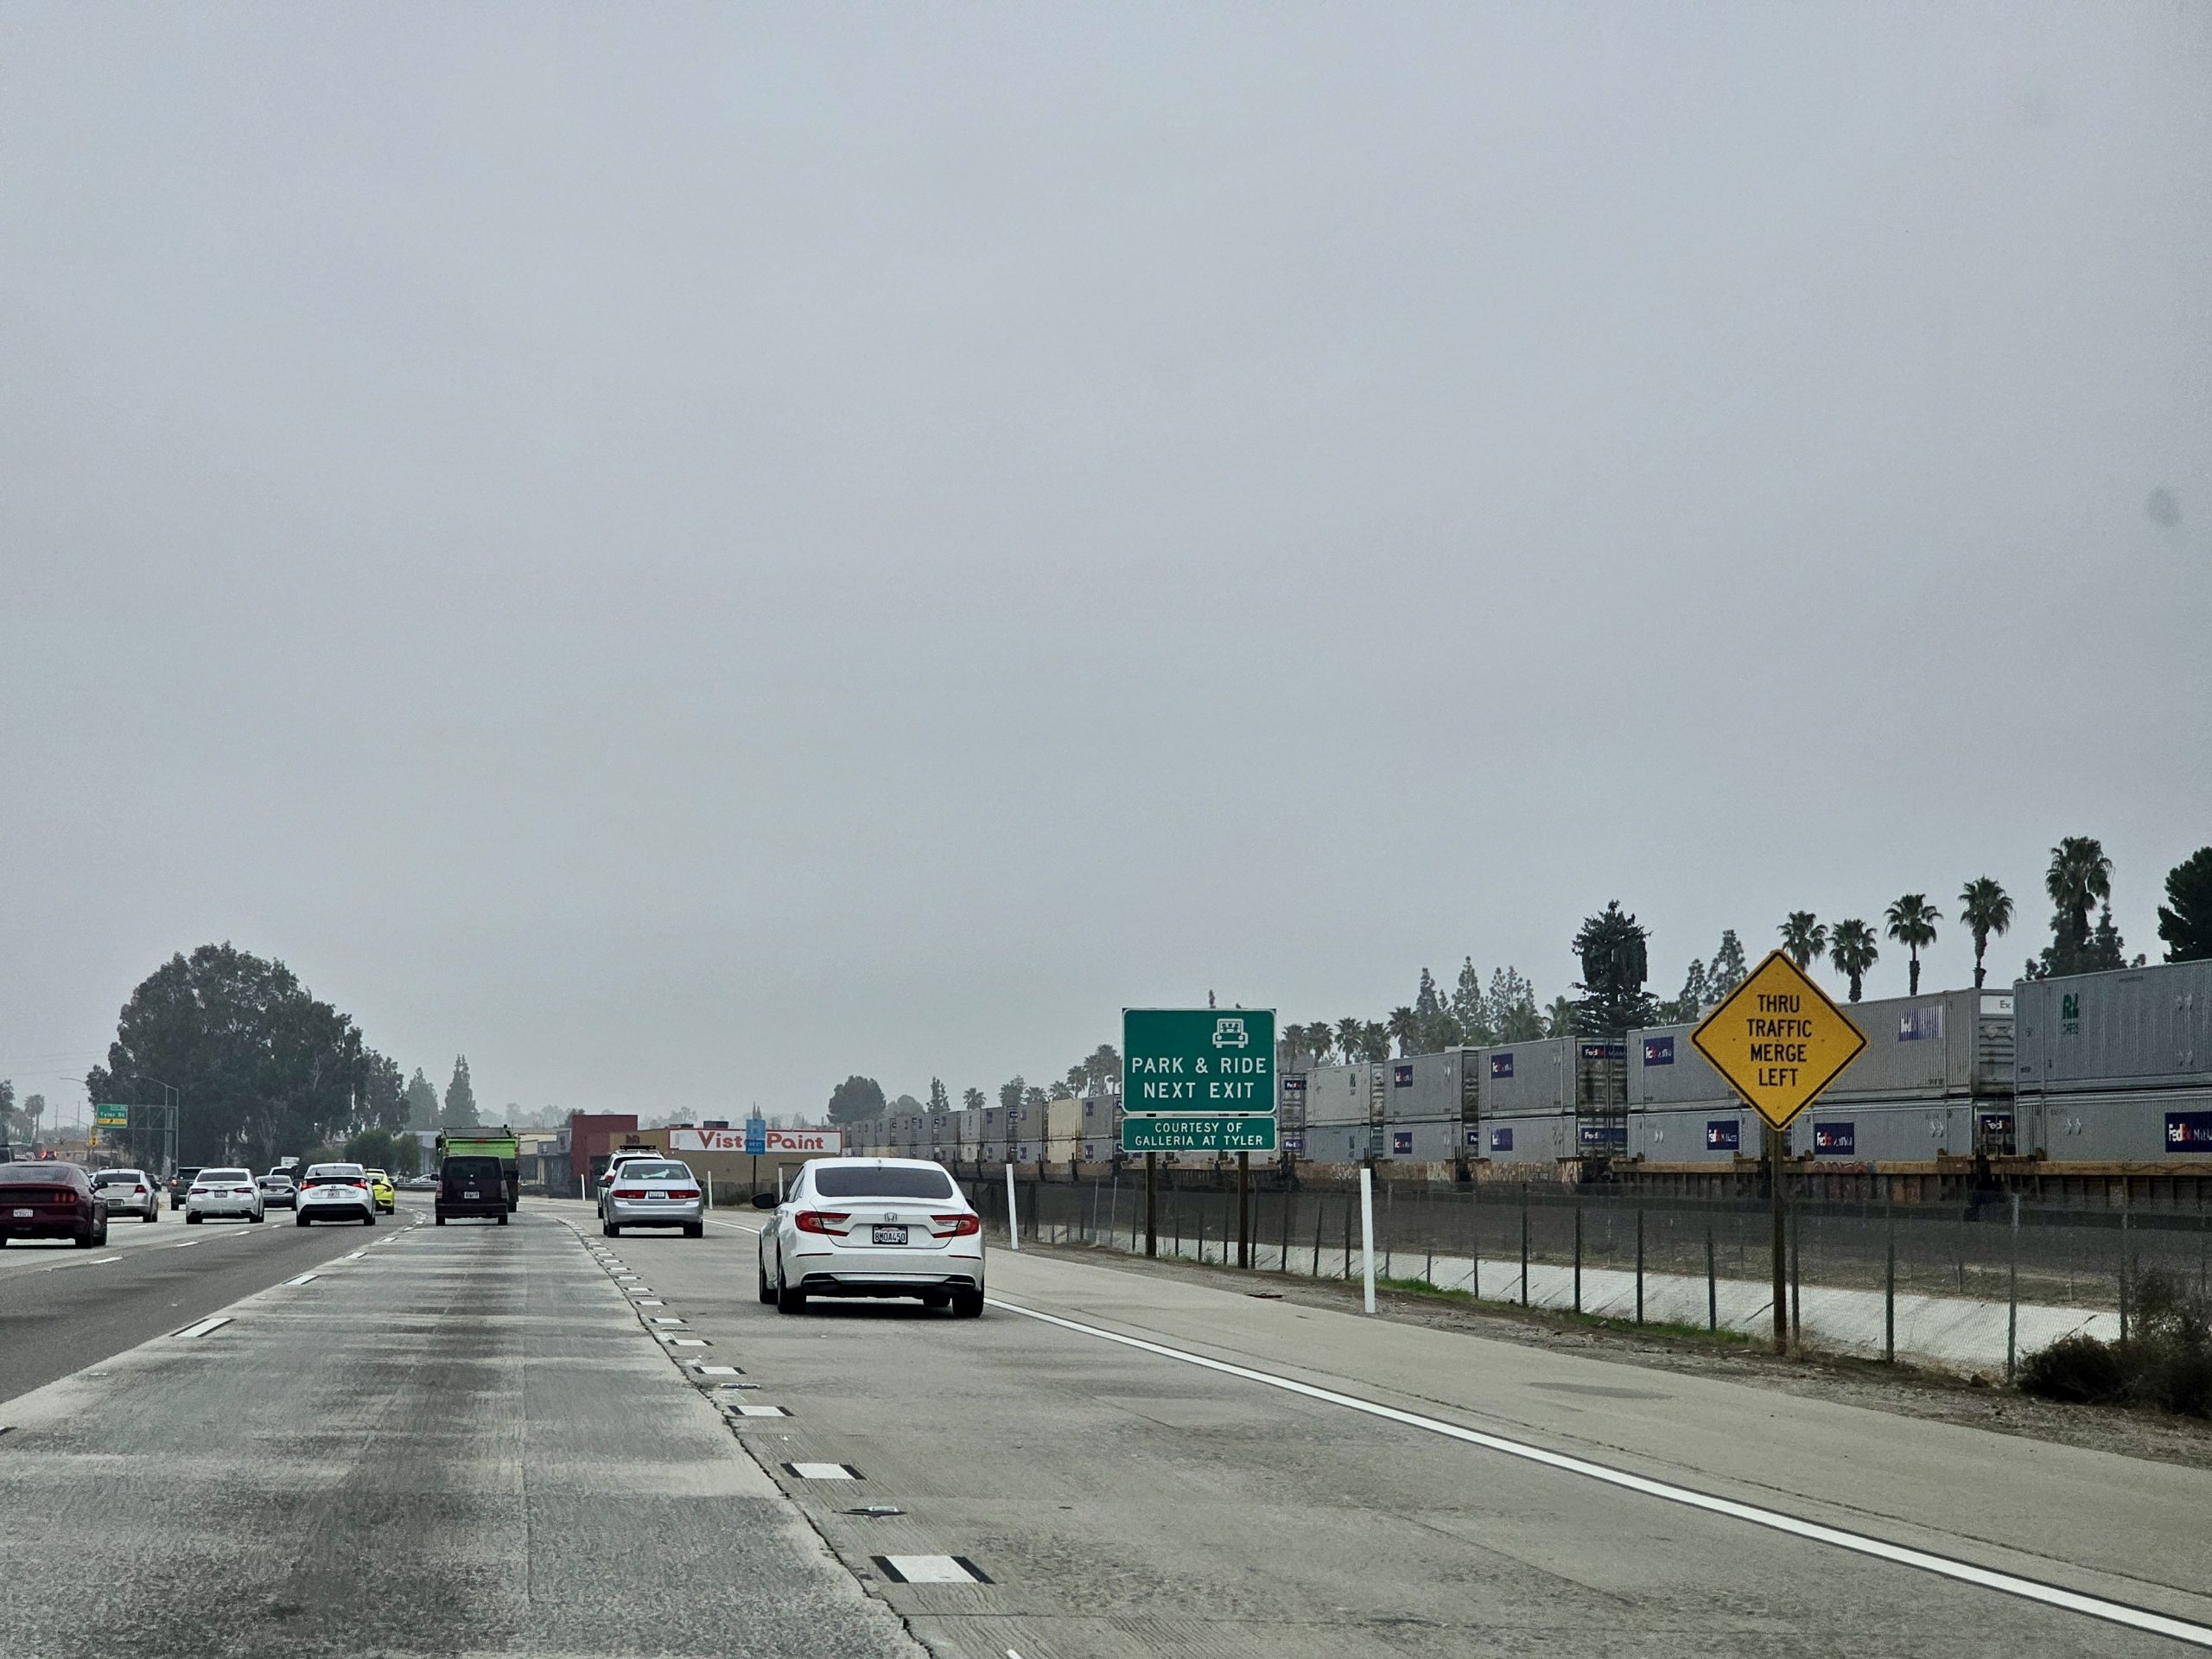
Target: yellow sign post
<point>1779,1041</point>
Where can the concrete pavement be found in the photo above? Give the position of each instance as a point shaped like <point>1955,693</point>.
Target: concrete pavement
<point>1120,1501</point>
<point>459,1442</point>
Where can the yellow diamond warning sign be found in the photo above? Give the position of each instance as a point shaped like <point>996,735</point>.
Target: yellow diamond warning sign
<point>1778,1039</point>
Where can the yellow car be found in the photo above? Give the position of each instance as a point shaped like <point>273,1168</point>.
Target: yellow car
<point>380,1189</point>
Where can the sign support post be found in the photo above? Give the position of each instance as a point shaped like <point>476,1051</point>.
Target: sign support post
<point>1777,1204</point>
<point>1779,1040</point>
<point>1244,1209</point>
<point>1012,1218</point>
<point>1151,1204</point>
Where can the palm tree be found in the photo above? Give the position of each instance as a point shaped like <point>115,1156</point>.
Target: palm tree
<point>1402,1027</point>
<point>1294,1042</point>
<point>1375,1040</point>
<point>1986,908</point>
<point>2080,876</point>
<point>1912,924</point>
<point>1803,938</point>
<point>1320,1040</point>
<point>1559,1019</point>
<point>1853,949</point>
<point>1351,1037</point>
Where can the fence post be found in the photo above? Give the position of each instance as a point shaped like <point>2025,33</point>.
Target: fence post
<point>1711,1284</point>
<point>1013,1218</point>
<point>1577,1249</point>
<point>1202,1236</point>
<point>1367,1233</point>
<point>1092,1236</point>
<point>1524,1243</point>
<point>1347,1238</point>
<point>1289,1207</point>
<point>1639,1264</point>
<point>2012,1297</point>
<point>1889,1271</point>
<point>1475,1240</point>
<point>2126,1264</point>
<point>1320,1216</point>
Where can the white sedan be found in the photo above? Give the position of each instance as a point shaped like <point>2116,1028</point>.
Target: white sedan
<point>872,1227</point>
<point>223,1192</point>
<point>336,1193</point>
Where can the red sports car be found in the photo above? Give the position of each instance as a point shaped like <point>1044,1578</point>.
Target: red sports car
<point>50,1200</point>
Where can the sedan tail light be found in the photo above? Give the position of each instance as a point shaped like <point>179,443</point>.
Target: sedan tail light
<point>629,1191</point>
<point>683,1192</point>
<point>243,1191</point>
<point>954,1226</point>
<point>833,1224</point>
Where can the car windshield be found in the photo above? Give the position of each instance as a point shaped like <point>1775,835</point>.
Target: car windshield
<point>116,1177</point>
<point>645,1170</point>
<point>37,1174</point>
<point>469,1169</point>
<point>879,1181</point>
<point>322,1174</point>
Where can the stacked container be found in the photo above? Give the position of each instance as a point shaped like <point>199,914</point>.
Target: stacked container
<point>2118,1066</point>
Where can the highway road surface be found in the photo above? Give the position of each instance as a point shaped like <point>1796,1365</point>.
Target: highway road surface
<point>529,1440</point>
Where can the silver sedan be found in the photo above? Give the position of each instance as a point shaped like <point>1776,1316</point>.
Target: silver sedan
<point>654,1192</point>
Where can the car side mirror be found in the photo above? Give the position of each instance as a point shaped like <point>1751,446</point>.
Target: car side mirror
<point>766,1201</point>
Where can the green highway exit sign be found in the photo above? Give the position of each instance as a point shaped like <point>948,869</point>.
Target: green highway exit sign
<point>107,1115</point>
<point>1198,1080</point>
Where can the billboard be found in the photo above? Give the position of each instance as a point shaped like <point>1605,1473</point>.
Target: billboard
<point>809,1143</point>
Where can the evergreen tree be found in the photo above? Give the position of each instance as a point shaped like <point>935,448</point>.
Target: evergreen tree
<point>1470,1008</point>
<point>940,1102</point>
<point>1614,949</point>
<point>422,1102</point>
<point>1515,1017</point>
<point>2185,919</point>
<point>1726,970</point>
<point>1687,1007</point>
<point>1427,1003</point>
<point>460,1098</point>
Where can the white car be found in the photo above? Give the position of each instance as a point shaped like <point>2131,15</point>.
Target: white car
<point>652,1193</point>
<point>872,1227</point>
<point>129,1192</point>
<point>336,1193</point>
<point>223,1192</point>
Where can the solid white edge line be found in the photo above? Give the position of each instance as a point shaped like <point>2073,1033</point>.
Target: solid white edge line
<point>2115,1612</point>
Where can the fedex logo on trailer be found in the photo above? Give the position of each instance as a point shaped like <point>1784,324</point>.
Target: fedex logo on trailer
<point>813,1143</point>
<point>1658,1050</point>
<point>1723,1135</point>
<point>2189,1131</point>
<point>1501,1065</point>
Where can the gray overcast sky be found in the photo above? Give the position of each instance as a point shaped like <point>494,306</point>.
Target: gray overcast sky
<point>689,551</point>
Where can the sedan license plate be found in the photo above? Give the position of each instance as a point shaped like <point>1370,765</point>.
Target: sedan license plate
<point>472,1193</point>
<point>886,1234</point>
<point>23,1214</point>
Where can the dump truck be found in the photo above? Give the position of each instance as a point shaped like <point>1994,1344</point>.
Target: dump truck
<point>485,1144</point>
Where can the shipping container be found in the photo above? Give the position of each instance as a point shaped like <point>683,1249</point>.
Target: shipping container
<point>2148,1027</point>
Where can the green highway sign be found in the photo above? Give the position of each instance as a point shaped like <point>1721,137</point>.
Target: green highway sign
<point>1198,1131</point>
<point>1198,1080</point>
<point>107,1116</point>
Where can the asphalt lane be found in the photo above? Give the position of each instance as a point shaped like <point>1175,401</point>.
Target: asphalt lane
<point>460,1441</point>
<point>1119,1502</point>
<point>62,1308</point>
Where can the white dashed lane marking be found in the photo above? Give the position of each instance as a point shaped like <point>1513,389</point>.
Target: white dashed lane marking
<point>930,1569</point>
<point>205,1326</point>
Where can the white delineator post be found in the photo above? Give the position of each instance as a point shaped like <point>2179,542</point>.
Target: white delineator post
<point>1367,1233</point>
<point>1013,1221</point>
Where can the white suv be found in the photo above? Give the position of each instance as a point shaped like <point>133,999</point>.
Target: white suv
<point>336,1193</point>
<point>872,1227</point>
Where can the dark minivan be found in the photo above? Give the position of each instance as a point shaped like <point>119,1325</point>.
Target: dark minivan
<point>472,1186</point>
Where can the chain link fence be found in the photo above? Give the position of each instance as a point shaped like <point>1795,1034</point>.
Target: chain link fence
<point>1974,1286</point>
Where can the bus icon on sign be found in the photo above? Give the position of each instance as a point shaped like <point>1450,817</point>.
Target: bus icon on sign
<point>1229,1033</point>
